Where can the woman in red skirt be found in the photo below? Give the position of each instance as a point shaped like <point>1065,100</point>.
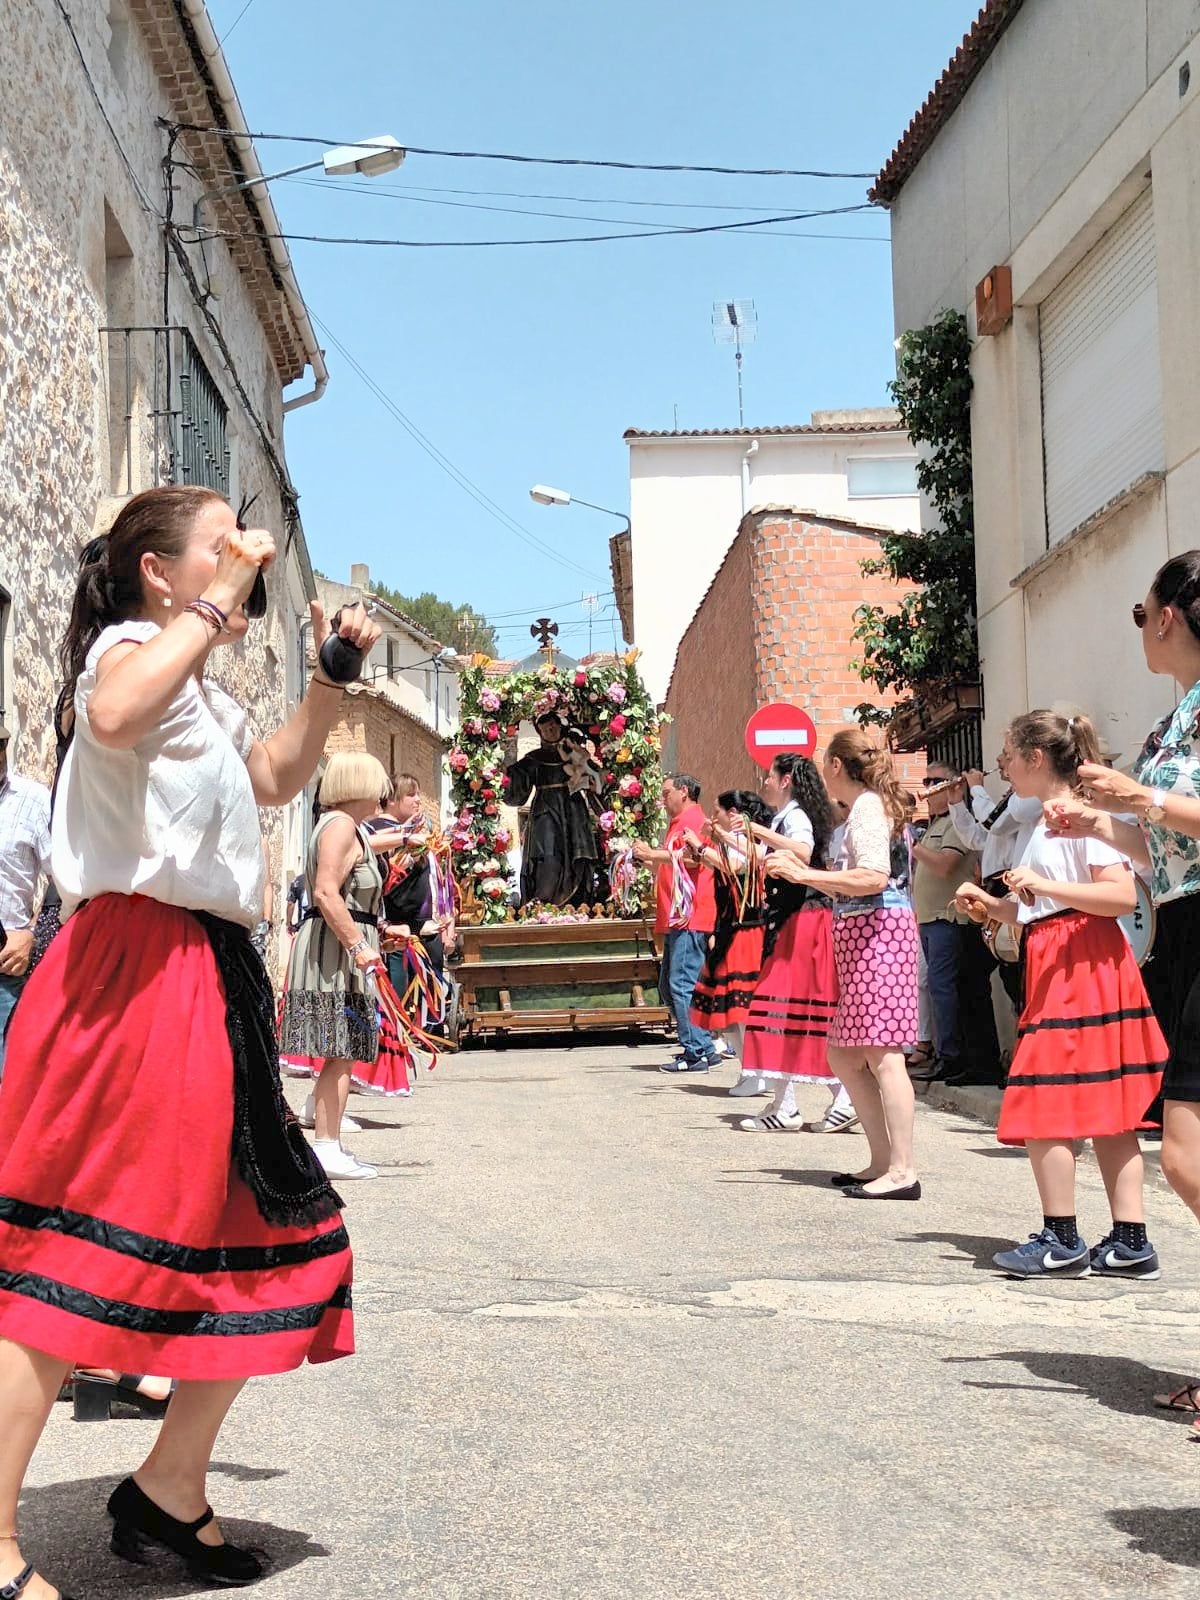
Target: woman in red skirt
<point>159,1209</point>
<point>787,1031</point>
<point>1090,1055</point>
<point>721,1001</point>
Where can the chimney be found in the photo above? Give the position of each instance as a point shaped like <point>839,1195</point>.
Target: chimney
<point>360,577</point>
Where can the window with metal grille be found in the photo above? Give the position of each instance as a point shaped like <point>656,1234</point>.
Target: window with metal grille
<point>960,748</point>
<point>203,415</point>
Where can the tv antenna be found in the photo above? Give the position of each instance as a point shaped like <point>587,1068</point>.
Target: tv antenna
<point>735,322</point>
<point>590,602</point>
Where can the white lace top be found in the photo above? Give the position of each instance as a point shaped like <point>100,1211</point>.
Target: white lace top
<point>174,818</point>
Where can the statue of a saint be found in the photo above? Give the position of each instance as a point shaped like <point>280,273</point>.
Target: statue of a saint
<point>560,853</point>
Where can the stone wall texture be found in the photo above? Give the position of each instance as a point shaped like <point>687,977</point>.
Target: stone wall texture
<point>776,624</point>
<point>372,723</point>
<point>81,249</point>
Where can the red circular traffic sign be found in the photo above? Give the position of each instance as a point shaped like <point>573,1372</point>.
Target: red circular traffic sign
<point>777,728</point>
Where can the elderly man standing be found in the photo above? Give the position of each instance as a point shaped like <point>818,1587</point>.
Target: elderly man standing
<point>24,859</point>
<point>683,948</point>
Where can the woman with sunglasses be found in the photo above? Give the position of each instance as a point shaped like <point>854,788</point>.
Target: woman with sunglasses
<point>1164,796</point>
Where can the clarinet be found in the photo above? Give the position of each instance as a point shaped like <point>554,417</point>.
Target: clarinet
<point>993,816</point>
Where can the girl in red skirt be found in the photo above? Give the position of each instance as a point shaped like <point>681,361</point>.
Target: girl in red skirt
<point>159,1209</point>
<point>1090,1055</point>
<point>787,1031</point>
<point>721,1001</point>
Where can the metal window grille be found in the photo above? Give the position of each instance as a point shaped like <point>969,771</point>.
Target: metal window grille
<point>203,416</point>
<point>959,748</point>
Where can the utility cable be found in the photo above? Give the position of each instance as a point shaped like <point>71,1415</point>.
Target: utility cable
<point>476,493</point>
<point>549,161</point>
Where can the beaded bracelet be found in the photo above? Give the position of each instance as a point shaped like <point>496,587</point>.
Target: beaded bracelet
<point>208,613</point>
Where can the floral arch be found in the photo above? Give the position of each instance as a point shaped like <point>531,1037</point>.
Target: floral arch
<point>608,700</point>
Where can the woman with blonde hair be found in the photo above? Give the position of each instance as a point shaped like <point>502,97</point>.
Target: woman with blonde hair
<point>329,1006</point>
<point>875,953</point>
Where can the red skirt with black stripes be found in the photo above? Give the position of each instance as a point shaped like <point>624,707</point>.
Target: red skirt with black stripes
<point>787,1029</point>
<point>128,1238</point>
<point>1090,1055</point>
<point>725,988</point>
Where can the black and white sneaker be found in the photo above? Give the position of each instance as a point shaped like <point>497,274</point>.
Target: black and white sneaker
<point>1112,1259</point>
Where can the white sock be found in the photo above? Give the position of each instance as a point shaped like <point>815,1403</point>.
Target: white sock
<point>842,1100</point>
<point>326,1146</point>
<point>785,1099</point>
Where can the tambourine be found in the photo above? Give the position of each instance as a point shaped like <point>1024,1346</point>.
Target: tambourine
<point>1141,924</point>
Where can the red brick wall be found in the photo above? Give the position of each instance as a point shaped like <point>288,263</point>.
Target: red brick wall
<point>776,624</point>
<point>712,689</point>
<point>370,723</point>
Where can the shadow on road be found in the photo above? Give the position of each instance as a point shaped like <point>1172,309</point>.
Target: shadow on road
<point>75,1509</point>
<point>1165,1531</point>
<point>810,1180</point>
<point>979,1249</point>
<point>1113,1381</point>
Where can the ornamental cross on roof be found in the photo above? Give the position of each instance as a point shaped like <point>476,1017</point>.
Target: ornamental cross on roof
<point>545,632</point>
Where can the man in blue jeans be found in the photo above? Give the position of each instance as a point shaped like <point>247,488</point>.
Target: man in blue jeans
<point>684,949</point>
<point>24,859</point>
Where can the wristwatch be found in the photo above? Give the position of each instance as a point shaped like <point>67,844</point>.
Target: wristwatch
<point>1157,809</point>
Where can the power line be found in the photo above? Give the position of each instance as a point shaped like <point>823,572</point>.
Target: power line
<point>583,238</point>
<point>566,216</point>
<point>552,161</point>
<point>443,461</point>
<point>235,21</point>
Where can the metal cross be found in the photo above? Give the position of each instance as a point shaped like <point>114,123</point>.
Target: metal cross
<point>545,632</point>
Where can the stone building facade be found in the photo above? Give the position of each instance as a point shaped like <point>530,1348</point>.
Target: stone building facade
<point>95,243</point>
<point>776,624</point>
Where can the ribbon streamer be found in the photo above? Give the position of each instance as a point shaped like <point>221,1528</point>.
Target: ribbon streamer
<point>683,890</point>
<point>622,878</point>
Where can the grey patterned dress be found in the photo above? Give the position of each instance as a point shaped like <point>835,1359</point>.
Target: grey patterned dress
<point>328,1007</point>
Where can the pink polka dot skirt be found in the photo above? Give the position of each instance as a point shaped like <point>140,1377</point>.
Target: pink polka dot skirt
<point>876,957</point>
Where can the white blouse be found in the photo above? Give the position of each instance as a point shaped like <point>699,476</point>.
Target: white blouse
<point>1063,861</point>
<point>173,818</point>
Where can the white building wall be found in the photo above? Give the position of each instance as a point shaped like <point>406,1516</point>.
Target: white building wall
<point>1080,106</point>
<point>685,506</point>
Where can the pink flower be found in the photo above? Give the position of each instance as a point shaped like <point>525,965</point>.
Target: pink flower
<point>493,731</point>
<point>630,788</point>
<point>608,821</point>
<point>473,726</point>
<point>459,761</point>
<point>506,782</point>
<point>491,809</point>
<point>581,680</point>
<point>617,725</point>
<point>490,700</point>
<point>616,693</point>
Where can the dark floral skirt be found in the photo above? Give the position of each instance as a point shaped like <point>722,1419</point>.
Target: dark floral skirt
<point>328,1023</point>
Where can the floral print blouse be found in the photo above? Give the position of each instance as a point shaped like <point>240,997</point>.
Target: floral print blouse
<point>1170,760</point>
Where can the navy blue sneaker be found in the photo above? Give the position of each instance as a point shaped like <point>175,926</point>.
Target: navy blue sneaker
<point>1112,1259</point>
<point>682,1064</point>
<point>1045,1255</point>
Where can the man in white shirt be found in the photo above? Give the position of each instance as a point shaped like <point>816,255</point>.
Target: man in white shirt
<point>24,860</point>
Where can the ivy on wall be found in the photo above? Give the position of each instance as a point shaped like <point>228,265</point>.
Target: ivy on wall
<point>930,639</point>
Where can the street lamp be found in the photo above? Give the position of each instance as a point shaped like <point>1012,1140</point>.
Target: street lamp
<point>546,496</point>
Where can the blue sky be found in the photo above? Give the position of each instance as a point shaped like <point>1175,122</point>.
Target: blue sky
<point>526,365</point>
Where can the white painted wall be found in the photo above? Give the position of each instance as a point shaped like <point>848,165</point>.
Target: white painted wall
<point>1076,111</point>
<point>685,505</point>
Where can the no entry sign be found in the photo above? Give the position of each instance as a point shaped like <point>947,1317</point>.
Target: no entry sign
<point>777,728</point>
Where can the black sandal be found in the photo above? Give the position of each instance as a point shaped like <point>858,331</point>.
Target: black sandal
<point>137,1522</point>
<point>95,1396</point>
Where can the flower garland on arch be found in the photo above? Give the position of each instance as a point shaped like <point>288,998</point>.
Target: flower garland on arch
<point>608,700</point>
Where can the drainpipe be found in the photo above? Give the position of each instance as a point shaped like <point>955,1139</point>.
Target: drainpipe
<point>753,451</point>
<point>210,45</point>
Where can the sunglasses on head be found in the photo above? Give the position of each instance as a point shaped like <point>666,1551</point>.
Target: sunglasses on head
<point>255,604</point>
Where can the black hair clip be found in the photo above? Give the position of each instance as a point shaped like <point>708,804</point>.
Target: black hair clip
<point>255,604</point>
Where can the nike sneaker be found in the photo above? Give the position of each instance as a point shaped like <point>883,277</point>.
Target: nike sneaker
<point>1112,1259</point>
<point>1044,1255</point>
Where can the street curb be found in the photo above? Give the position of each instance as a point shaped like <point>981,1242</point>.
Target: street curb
<point>982,1104</point>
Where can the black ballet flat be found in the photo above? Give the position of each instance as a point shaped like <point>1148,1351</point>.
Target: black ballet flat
<point>16,1586</point>
<point>848,1180</point>
<point>137,1522</point>
<point>96,1396</point>
<point>910,1191</point>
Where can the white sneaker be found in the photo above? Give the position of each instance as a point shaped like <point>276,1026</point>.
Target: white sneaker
<point>773,1122</point>
<point>339,1163</point>
<point>308,1118</point>
<point>749,1083</point>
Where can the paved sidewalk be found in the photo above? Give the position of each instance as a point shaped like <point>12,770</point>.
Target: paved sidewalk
<point>613,1348</point>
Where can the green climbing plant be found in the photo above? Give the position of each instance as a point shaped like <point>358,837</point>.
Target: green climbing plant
<point>930,638</point>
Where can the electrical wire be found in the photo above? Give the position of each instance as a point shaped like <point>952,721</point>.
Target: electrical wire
<point>235,22</point>
<point>550,161</point>
<point>484,244</point>
<point>476,493</point>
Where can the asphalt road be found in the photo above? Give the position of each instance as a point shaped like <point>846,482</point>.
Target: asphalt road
<point>610,1346</point>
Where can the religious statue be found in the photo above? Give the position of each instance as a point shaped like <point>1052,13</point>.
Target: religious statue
<point>561,853</point>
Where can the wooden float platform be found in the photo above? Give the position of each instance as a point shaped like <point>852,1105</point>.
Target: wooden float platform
<point>524,977</point>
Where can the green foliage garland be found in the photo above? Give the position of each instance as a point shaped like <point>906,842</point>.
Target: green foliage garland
<point>608,701</point>
<point>930,639</point>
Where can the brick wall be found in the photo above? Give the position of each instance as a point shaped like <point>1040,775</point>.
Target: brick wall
<point>776,624</point>
<point>370,722</point>
<point>712,690</point>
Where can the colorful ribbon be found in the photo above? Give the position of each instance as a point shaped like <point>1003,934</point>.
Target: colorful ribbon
<point>622,878</point>
<point>683,889</point>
